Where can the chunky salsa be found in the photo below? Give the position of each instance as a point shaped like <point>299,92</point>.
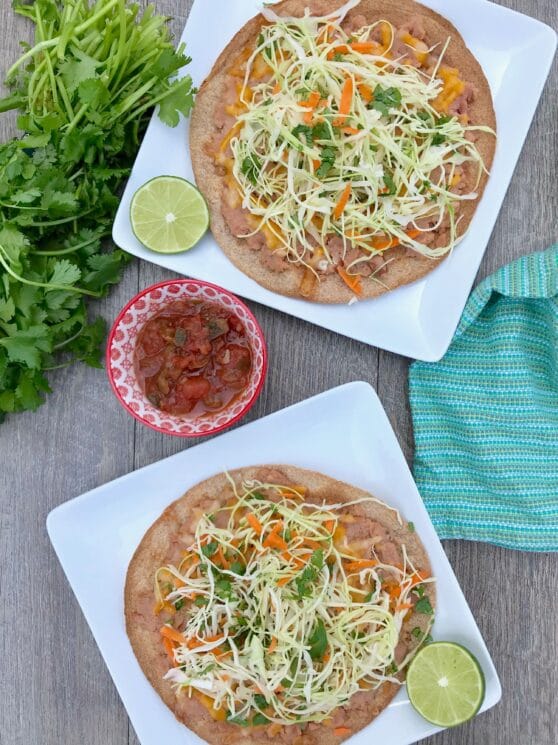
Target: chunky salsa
<point>193,358</point>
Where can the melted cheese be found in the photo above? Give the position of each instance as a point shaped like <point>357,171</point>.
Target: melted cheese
<point>453,87</point>
<point>421,50</point>
<point>219,715</point>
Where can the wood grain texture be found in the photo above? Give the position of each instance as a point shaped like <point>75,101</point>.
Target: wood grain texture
<point>55,687</point>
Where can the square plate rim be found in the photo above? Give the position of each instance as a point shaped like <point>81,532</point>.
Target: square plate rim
<point>426,346</point>
<point>56,519</point>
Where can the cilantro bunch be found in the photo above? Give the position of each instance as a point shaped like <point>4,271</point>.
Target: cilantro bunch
<point>85,92</point>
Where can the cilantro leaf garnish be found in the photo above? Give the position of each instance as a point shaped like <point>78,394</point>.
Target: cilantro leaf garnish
<point>251,167</point>
<point>385,99</point>
<point>241,721</point>
<point>309,574</point>
<point>423,606</point>
<point>318,641</point>
<point>209,549</point>
<point>259,718</point>
<point>327,161</point>
<point>390,185</point>
<point>305,131</point>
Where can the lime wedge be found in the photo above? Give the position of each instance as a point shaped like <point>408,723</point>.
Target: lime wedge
<point>168,215</point>
<point>445,684</point>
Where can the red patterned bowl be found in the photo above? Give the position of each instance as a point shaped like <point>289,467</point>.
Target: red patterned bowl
<point>120,357</point>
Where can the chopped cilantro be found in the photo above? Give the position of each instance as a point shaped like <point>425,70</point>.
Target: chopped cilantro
<point>209,549</point>
<point>320,131</point>
<point>390,185</point>
<point>201,601</point>
<point>318,641</point>
<point>260,701</point>
<point>419,590</point>
<point>178,604</point>
<point>241,721</point>
<point>327,161</point>
<point>251,167</point>
<point>385,99</point>
<point>438,138</point>
<point>259,718</point>
<point>417,632</point>
<point>224,589</point>
<point>411,527</point>
<point>305,131</point>
<point>309,574</point>
<point>423,606</point>
<point>392,669</point>
<point>238,568</point>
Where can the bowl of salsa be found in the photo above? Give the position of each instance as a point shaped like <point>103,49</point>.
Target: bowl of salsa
<point>186,358</point>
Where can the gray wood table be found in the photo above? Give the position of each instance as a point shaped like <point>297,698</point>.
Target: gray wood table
<point>55,689</point>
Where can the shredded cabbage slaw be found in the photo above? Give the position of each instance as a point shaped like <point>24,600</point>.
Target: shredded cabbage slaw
<point>341,138</point>
<point>281,622</point>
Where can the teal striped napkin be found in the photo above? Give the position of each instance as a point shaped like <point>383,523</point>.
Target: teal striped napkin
<point>486,416</point>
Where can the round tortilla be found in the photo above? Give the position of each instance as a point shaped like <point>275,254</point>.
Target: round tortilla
<point>403,268</point>
<point>172,533</point>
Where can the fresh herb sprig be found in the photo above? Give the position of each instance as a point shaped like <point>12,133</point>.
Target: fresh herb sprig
<point>85,92</point>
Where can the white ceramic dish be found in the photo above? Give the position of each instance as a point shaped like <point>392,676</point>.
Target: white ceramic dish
<point>418,320</point>
<point>344,433</point>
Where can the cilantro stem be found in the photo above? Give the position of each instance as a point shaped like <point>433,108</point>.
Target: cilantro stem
<point>62,221</point>
<point>71,249</point>
<point>46,285</point>
<point>30,53</point>
<point>69,340</point>
<point>47,59</point>
<point>12,102</point>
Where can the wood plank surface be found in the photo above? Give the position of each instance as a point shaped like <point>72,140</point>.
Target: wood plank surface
<point>55,687</point>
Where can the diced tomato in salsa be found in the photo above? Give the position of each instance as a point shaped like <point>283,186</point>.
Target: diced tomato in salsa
<point>192,358</point>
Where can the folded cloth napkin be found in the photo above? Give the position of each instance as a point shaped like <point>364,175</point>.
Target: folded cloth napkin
<point>486,415</point>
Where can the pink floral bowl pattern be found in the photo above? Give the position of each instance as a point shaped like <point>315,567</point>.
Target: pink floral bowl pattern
<point>120,357</point>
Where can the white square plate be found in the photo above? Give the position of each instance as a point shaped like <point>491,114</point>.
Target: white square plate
<point>418,320</point>
<point>344,433</point>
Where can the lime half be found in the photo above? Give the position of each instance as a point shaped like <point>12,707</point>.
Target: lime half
<point>445,684</point>
<point>168,215</point>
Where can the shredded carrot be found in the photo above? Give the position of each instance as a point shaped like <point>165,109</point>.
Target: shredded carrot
<point>277,88</point>
<point>254,523</point>
<point>273,646</point>
<point>404,606</point>
<point>195,643</point>
<point>394,591</point>
<point>419,578</point>
<point>341,731</point>
<point>329,525</point>
<point>222,558</point>
<point>345,103</point>
<point>167,632</point>
<point>275,541</point>
<point>413,233</point>
<point>351,131</point>
<point>316,164</point>
<point>312,101</point>
<point>308,117</point>
<point>297,489</point>
<point>283,581</point>
<point>342,203</point>
<point>365,47</point>
<point>353,282</point>
<point>308,542</point>
<point>361,564</point>
<point>169,649</point>
<point>366,92</point>
<point>341,49</point>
